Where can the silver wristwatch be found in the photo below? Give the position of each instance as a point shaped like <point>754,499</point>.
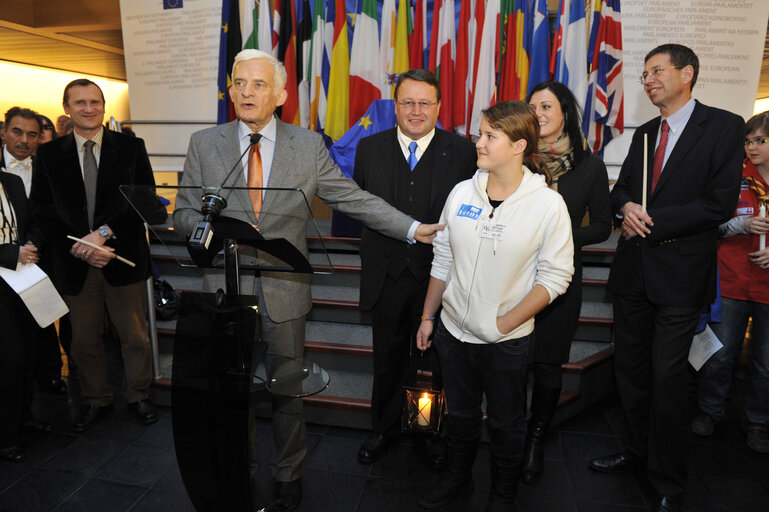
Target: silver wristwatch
<point>104,232</point>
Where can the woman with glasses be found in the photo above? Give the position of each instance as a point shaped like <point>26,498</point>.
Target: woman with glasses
<point>582,181</point>
<point>47,131</point>
<point>16,341</point>
<point>743,268</point>
<point>505,254</point>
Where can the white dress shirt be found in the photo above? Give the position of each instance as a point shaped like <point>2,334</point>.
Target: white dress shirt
<point>21,168</point>
<point>422,143</point>
<point>80,141</point>
<point>677,122</point>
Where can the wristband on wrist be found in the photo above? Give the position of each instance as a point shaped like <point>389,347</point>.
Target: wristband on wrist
<point>428,318</point>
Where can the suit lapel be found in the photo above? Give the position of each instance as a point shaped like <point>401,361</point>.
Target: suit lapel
<point>282,161</point>
<point>108,173</point>
<point>651,134</point>
<point>441,164</point>
<point>17,197</point>
<point>228,150</point>
<point>69,180</point>
<point>691,134</point>
<point>390,152</point>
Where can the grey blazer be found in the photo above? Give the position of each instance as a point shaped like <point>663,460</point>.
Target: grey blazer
<point>300,161</point>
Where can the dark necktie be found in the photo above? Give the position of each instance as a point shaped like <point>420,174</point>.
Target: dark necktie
<point>413,155</point>
<point>90,172</point>
<point>255,175</point>
<point>659,155</point>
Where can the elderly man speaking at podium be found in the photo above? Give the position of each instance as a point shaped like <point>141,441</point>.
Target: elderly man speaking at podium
<point>285,156</point>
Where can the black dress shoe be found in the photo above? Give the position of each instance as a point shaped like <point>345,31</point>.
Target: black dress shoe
<point>90,415</point>
<point>53,386</point>
<point>616,463</point>
<point>668,504</point>
<point>372,448</point>
<point>289,493</point>
<point>33,425</point>
<point>12,454</point>
<point>144,411</point>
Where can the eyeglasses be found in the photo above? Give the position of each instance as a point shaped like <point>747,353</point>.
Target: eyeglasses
<point>654,73</point>
<point>757,142</point>
<point>410,104</point>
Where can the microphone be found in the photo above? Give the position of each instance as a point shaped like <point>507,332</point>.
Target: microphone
<point>255,137</point>
<point>213,204</point>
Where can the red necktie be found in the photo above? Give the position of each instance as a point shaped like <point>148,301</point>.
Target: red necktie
<point>255,176</point>
<point>659,155</point>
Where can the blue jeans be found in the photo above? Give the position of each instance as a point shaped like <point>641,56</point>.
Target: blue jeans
<point>496,369</point>
<point>716,375</point>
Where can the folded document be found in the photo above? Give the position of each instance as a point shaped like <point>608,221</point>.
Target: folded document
<point>36,291</point>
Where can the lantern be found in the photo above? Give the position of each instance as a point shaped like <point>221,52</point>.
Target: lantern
<point>424,405</point>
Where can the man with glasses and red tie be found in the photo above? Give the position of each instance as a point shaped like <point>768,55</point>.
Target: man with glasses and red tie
<point>414,167</point>
<point>664,270</point>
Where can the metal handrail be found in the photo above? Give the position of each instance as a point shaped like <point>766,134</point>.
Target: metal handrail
<point>160,121</point>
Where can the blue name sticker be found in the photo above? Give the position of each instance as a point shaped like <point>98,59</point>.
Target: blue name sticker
<point>469,211</point>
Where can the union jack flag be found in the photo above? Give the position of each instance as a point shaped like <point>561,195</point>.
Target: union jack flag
<point>604,106</point>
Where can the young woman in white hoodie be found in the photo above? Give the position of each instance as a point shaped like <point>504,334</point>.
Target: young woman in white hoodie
<point>505,254</point>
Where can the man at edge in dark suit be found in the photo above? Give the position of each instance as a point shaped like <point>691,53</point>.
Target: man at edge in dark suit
<point>664,269</point>
<point>75,191</point>
<point>413,167</point>
<point>23,128</point>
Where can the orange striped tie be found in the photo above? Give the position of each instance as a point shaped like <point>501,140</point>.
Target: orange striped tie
<point>255,177</point>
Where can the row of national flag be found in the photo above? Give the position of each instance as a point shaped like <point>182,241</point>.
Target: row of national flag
<point>482,51</point>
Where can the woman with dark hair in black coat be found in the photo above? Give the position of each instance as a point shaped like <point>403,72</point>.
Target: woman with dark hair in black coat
<point>582,180</point>
<point>17,324</point>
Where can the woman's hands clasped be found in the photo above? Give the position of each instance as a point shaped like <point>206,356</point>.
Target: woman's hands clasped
<point>28,253</point>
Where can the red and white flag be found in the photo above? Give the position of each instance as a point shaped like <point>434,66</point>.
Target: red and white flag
<point>364,59</point>
<point>442,54</point>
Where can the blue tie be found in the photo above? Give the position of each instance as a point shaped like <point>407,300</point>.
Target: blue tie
<point>413,155</point>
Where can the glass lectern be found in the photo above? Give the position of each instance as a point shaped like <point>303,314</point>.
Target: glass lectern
<point>220,365</point>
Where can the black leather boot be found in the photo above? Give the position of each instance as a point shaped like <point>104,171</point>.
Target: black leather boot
<point>544,402</point>
<point>456,482</point>
<point>505,474</point>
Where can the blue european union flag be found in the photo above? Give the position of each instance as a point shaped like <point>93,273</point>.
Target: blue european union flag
<point>172,4</point>
<point>379,116</point>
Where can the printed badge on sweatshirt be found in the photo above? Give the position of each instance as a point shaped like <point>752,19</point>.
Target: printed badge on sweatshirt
<point>469,211</point>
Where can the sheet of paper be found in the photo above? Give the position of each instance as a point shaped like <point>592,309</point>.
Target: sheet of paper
<point>704,345</point>
<point>36,291</point>
<point>23,277</point>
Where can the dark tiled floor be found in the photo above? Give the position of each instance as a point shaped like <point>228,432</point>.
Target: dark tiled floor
<point>121,466</point>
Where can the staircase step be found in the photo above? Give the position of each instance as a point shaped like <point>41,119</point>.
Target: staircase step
<point>349,334</point>
<point>338,334</point>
